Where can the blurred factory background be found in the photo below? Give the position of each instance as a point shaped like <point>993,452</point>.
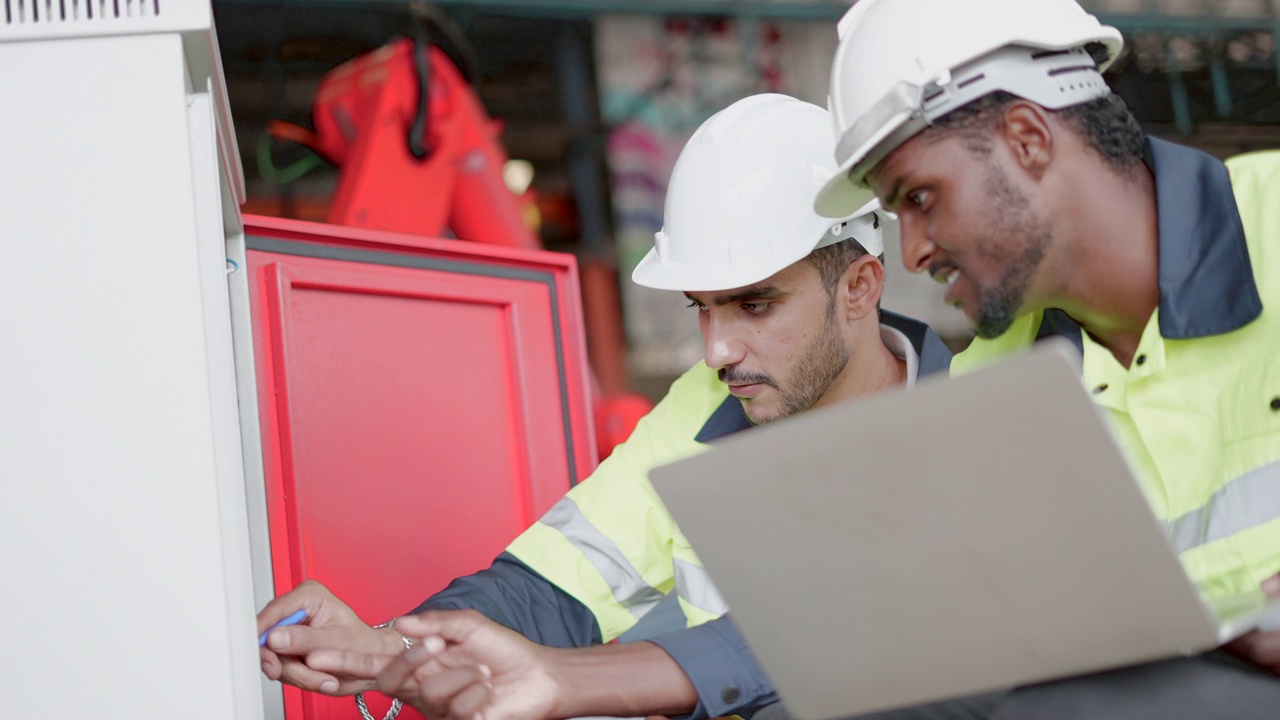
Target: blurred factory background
<point>596,98</point>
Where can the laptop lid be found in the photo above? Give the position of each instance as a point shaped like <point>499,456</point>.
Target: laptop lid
<point>970,534</point>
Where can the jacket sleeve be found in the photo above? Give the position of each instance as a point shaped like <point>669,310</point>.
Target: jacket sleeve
<point>602,557</point>
<point>513,595</point>
<point>718,662</point>
<point>610,542</point>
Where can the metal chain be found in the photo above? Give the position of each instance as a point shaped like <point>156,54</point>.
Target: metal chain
<point>394,710</point>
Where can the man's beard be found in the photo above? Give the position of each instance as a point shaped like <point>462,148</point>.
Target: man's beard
<point>817,369</point>
<point>998,305</point>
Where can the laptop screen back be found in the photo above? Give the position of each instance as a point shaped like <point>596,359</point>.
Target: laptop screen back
<point>969,534</point>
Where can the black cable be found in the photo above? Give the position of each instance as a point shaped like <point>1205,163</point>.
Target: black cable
<point>418,131</point>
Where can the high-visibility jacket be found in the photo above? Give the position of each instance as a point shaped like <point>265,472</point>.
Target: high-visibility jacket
<point>609,563</point>
<point>610,541</point>
<point>1198,411</point>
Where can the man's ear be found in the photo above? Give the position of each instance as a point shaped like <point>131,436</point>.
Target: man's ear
<point>862,281</point>
<point>1028,134</point>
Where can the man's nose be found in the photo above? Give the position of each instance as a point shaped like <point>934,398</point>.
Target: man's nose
<point>917,249</point>
<point>722,349</point>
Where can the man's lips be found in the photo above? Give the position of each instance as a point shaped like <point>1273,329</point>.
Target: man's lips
<point>953,289</point>
<point>747,391</point>
<point>745,385</point>
<point>947,275</point>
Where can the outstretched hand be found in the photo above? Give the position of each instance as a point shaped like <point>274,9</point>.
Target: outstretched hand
<point>330,626</point>
<point>465,667</point>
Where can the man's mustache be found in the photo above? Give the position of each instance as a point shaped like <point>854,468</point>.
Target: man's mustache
<point>730,376</point>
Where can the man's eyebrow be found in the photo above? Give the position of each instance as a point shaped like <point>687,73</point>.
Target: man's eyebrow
<point>753,292</point>
<point>891,200</point>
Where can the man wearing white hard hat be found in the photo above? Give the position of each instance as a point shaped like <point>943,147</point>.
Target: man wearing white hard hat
<point>1027,187</point>
<point>788,304</point>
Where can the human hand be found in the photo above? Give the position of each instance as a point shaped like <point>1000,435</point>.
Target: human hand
<point>466,667</point>
<point>1261,647</point>
<point>330,625</point>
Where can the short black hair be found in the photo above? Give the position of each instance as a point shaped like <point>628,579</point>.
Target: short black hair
<point>1106,123</point>
<point>831,261</point>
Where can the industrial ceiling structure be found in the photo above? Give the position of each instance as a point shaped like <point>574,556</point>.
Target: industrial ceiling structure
<point>1202,72</point>
<point>1205,70</point>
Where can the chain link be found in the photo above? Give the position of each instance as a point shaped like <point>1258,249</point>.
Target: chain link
<point>394,710</point>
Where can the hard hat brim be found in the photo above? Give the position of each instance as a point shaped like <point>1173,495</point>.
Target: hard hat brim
<point>653,273</point>
<point>862,225</point>
<point>841,196</point>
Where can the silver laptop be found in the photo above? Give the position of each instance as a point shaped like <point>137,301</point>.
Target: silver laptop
<point>967,535</point>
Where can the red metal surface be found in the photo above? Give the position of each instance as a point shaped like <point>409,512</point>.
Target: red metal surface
<point>617,409</point>
<point>363,111</point>
<point>414,419</point>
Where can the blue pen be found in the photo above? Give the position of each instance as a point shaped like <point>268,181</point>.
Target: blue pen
<point>293,619</point>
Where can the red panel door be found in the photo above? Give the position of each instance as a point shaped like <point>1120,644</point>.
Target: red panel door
<point>423,401</point>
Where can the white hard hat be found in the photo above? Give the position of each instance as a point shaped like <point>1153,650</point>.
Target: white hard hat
<point>739,206</point>
<point>901,64</point>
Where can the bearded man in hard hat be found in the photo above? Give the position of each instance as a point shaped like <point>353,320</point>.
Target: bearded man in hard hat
<point>1028,188</point>
<point>788,305</point>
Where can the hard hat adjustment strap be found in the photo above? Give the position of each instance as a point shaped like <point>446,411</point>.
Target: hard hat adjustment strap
<point>864,228</point>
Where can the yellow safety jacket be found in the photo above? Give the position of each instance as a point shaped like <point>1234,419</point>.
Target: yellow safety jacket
<point>612,545</point>
<point>610,542</point>
<point>1198,411</point>
<point>613,550</point>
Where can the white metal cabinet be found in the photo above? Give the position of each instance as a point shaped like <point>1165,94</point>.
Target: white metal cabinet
<point>124,523</point>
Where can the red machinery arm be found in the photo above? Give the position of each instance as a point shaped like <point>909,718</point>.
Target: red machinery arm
<point>415,172</point>
<point>420,155</point>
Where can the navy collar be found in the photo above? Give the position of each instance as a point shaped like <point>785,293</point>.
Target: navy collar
<point>1206,280</point>
<point>934,357</point>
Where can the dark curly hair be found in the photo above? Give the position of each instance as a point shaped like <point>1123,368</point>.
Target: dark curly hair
<point>1106,123</point>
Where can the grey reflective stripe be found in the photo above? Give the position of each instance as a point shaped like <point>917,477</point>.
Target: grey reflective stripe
<point>666,617</point>
<point>629,587</point>
<point>694,586</point>
<point>1250,500</point>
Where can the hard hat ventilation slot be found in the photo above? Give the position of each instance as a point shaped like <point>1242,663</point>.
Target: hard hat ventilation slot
<point>965,83</point>
<point>1048,53</point>
<point>1078,68</point>
<point>1098,52</point>
<point>31,12</point>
